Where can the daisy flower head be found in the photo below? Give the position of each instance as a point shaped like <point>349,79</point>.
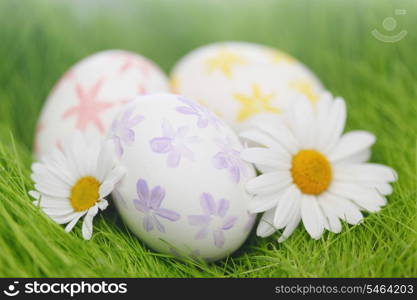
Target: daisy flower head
<point>73,182</point>
<point>311,171</point>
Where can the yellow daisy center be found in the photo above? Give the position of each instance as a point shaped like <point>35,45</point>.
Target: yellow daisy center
<point>85,193</point>
<point>311,172</point>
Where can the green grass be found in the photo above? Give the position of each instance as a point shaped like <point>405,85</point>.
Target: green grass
<point>40,40</point>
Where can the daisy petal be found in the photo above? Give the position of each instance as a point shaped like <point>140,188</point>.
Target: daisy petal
<point>74,221</point>
<point>276,128</point>
<point>263,139</point>
<point>332,125</point>
<point>265,157</point>
<point>265,169</point>
<point>258,137</point>
<point>269,182</point>
<point>43,173</point>
<point>63,219</point>
<point>56,165</point>
<point>366,198</point>
<point>350,144</point>
<point>57,211</point>
<point>106,188</point>
<point>382,188</point>
<point>341,207</point>
<point>357,158</point>
<point>333,220</point>
<point>90,158</point>
<point>323,106</point>
<point>261,203</point>
<point>292,225</point>
<point>115,175</point>
<point>73,153</point>
<point>312,216</point>
<point>289,203</point>
<point>266,226</point>
<point>364,173</point>
<point>303,122</point>
<point>47,202</point>
<point>87,228</point>
<point>52,191</point>
<point>102,204</point>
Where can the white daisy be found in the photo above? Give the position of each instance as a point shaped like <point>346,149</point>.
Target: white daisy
<point>73,183</point>
<point>311,172</point>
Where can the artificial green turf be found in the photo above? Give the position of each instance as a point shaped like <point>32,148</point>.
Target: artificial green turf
<point>40,40</point>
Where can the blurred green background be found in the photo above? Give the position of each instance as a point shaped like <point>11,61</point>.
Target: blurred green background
<point>40,40</point>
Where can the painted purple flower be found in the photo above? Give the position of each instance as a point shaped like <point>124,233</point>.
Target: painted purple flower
<point>204,116</point>
<point>121,131</point>
<point>229,159</point>
<point>149,203</point>
<point>214,220</point>
<point>174,143</point>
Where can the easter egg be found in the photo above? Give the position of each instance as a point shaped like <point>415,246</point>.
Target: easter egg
<point>241,80</point>
<point>89,95</point>
<point>183,192</point>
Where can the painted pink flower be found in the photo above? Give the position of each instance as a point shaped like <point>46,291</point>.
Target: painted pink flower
<point>89,108</point>
<point>133,62</point>
<point>175,143</point>
<point>229,159</point>
<point>149,203</point>
<point>121,131</point>
<point>204,116</point>
<point>214,220</point>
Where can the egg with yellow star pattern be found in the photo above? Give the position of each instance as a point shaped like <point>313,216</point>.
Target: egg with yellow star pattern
<point>239,80</point>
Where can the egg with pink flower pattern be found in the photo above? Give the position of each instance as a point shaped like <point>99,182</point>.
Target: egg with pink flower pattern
<point>89,95</point>
<point>183,193</point>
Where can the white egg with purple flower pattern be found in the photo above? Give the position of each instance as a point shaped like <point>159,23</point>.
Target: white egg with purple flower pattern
<point>183,193</point>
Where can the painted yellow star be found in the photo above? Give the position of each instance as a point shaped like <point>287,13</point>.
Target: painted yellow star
<point>224,61</point>
<point>255,103</point>
<point>304,87</point>
<point>278,57</point>
<point>174,84</point>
